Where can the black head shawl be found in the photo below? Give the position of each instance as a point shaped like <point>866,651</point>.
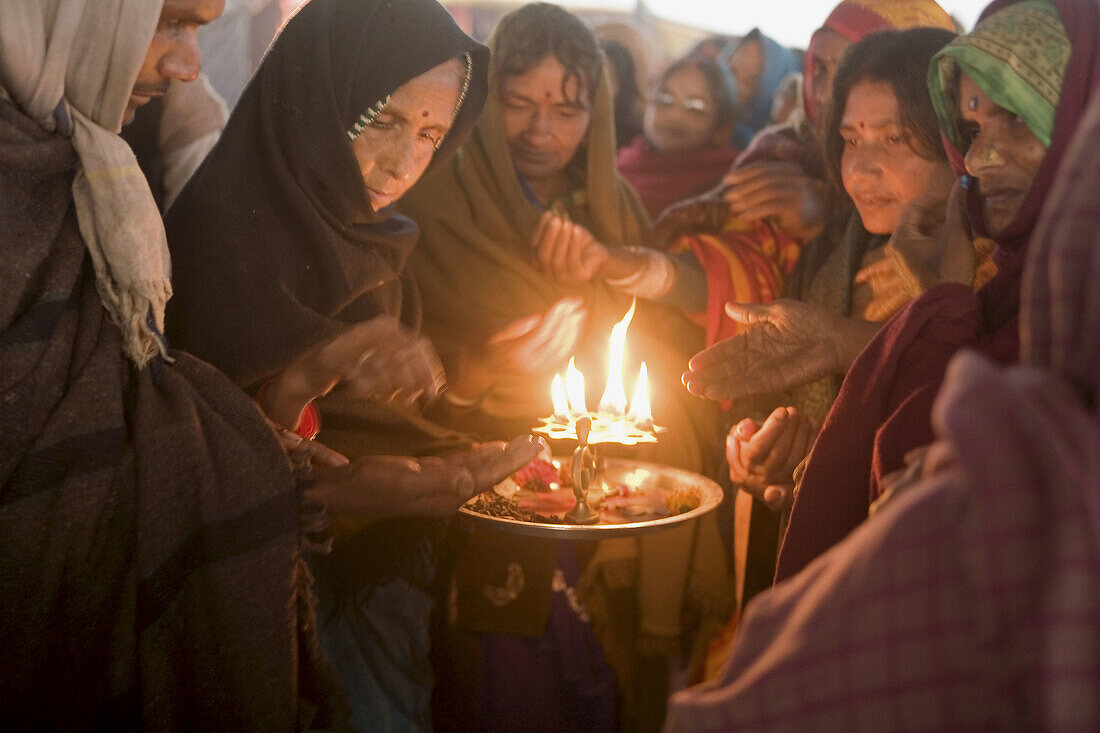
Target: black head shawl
<point>274,244</point>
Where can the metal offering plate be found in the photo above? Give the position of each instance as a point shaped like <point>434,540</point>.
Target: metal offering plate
<point>641,507</point>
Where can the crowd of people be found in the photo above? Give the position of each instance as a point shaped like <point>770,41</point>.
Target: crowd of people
<point>254,361</point>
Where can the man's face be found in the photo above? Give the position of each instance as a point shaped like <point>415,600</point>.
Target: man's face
<point>174,52</point>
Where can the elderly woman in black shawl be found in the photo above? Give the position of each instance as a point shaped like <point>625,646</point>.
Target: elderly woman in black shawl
<point>290,276</point>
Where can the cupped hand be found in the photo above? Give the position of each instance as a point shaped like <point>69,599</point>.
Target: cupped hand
<point>566,251</point>
<point>763,460</point>
<point>400,486</point>
<point>933,241</point>
<point>785,343</point>
<point>779,189</point>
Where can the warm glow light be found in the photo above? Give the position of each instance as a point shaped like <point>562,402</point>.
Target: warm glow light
<point>640,411</point>
<point>557,393</point>
<point>574,388</point>
<point>614,396</point>
<point>612,424</point>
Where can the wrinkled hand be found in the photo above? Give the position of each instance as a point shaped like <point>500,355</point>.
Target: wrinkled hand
<point>304,452</point>
<point>566,251</point>
<point>537,344</point>
<point>375,358</point>
<point>703,215</point>
<point>779,189</point>
<point>786,343</point>
<point>763,460</point>
<point>399,486</point>
<point>933,241</point>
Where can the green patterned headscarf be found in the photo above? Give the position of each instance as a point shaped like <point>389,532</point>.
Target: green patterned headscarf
<point>1018,57</point>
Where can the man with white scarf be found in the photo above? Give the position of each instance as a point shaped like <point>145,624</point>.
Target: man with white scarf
<point>150,525</point>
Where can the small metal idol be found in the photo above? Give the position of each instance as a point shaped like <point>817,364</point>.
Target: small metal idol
<point>584,468</point>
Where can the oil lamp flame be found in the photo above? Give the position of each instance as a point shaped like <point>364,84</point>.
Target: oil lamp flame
<point>640,412</point>
<point>614,396</point>
<point>574,389</point>
<point>612,423</point>
<point>557,393</point>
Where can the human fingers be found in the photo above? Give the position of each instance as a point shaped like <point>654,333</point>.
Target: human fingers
<point>550,346</point>
<point>779,497</point>
<point>436,488</point>
<point>553,242</point>
<point>542,246</point>
<point>773,438</point>
<point>745,429</point>
<point>421,372</point>
<point>551,324</point>
<point>490,463</point>
<point>563,255</point>
<point>321,455</point>
<point>515,329</point>
<point>581,251</point>
<point>717,354</point>
<point>715,366</point>
<point>407,371</point>
<point>748,314</point>
<point>803,442</point>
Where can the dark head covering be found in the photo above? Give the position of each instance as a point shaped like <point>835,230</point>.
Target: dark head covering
<point>274,244</point>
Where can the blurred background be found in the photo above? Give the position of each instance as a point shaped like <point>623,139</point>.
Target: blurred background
<point>654,31</point>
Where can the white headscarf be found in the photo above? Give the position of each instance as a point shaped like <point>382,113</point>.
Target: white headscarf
<point>71,66</point>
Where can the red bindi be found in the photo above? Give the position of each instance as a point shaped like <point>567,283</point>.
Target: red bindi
<point>424,113</point>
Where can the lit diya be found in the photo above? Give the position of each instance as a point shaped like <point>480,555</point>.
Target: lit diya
<point>550,498</point>
<point>613,422</point>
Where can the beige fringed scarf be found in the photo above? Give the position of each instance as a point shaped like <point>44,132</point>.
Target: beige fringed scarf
<point>71,65</point>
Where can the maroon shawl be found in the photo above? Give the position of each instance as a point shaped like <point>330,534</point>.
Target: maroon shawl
<point>883,409</point>
<point>662,179</point>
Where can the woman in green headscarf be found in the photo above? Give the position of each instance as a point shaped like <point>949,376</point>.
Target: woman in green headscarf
<point>539,167</point>
<point>1009,96</point>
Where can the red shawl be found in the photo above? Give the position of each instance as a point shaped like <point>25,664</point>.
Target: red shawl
<point>884,407</point>
<point>662,179</point>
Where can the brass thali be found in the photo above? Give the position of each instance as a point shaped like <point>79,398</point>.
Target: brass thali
<point>631,496</point>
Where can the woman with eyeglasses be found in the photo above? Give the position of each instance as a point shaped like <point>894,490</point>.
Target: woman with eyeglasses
<point>683,148</point>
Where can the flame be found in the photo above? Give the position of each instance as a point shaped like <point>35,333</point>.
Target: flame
<point>640,411</point>
<point>574,388</point>
<point>614,396</point>
<point>557,393</point>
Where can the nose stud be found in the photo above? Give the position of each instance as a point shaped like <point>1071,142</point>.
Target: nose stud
<point>989,155</point>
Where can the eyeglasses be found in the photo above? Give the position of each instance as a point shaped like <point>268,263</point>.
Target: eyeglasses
<point>695,105</point>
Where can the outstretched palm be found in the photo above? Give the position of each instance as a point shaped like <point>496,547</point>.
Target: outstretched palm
<point>784,344</point>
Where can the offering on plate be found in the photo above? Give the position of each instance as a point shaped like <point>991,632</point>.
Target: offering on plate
<point>631,497</point>
<point>586,495</point>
